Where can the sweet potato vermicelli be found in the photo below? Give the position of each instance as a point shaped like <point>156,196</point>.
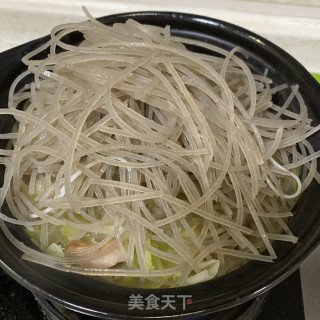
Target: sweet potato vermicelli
<point>134,156</point>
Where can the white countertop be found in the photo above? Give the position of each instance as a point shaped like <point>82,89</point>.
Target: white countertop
<point>292,24</point>
<point>294,27</point>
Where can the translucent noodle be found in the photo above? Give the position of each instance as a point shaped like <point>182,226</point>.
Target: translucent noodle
<point>179,160</point>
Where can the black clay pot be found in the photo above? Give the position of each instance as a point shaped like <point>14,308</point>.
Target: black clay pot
<point>108,301</point>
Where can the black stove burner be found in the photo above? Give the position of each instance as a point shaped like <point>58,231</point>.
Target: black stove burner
<point>281,303</point>
<point>16,302</point>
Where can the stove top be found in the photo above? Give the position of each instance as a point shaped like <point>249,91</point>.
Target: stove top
<point>283,302</point>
